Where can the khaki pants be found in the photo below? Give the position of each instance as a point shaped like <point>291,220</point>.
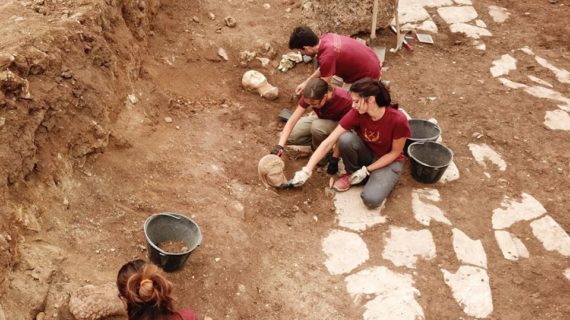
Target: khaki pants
<point>310,130</point>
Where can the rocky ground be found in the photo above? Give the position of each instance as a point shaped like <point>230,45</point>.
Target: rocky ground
<point>111,111</point>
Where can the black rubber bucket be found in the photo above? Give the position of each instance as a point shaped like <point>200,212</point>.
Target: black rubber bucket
<point>167,226</point>
<point>422,130</point>
<point>429,160</point>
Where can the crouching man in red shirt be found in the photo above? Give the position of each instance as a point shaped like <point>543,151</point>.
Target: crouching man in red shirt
<point>337,55</point>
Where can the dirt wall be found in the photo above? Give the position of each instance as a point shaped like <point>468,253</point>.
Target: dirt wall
<point>346,17</point>
<point>65,70</point>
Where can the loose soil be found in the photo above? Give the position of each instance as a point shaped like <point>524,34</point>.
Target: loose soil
<point>173,246</point>
<point>89,157</point>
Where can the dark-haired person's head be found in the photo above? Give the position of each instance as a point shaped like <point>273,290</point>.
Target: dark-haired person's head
<point>315,92</point>
<point>145,290</point>
<point>365,88</point>
<point>302,37</point>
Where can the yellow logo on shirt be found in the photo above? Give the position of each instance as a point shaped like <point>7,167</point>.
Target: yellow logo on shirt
<point>371,136</point>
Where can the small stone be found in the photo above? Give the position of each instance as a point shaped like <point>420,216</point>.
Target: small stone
<point>6,60</point>
<point>316,218</point>
<point>288,10</point>
<point>177,127</point>
<point>230,21</point>
<point>65,202</point>
<point>2,121</point>
<point>211,16</point>
<point>168,119</point>
<point>217,259</point>
<point>266,6</point>
<point>67,74</point>
<point>264,61</point>
<point>196,19</point>
<point>223,54</point>
<point>553,1</point>
<point>132,99</point>
<point>527,13</point>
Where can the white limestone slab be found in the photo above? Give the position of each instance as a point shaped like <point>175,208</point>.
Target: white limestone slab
<point>542,92</point>
<point>353,214</point>
<point>424,211</point>
<point>513,211</point>
<point>470,31</point>
<point>562,75</point>
<point>502,66</point>
<point>404,247</point>
<point>464,2</point>
<point>395,294</point>
<point>450,174</point>
<point>457,14</point>
<point>428,26</point>
<point>411,13</point>
<point>539,81</point>
<point>551,234</point>
<point>498,14</point>
<point>344,250</point>
<point>511,246</point>
<point>393,307</point>
<point>527,50</point>
<point>480,23</point>
<point>512,84</point>
<point>480,45</point>
<point>414,10</point>
<point>469,251</point>
<point>482,152</point>
<point>557,120</point>
<point>567,274</point>
<point>471,290</point>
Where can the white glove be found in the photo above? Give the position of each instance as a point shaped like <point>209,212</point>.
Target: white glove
<point>300,177</point>
<point>358,176</point>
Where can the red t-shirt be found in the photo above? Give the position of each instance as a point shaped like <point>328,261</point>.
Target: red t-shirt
<point>187,314</point>
<point>334,109</point>
<point>379,134</point>
<point>347,58</point>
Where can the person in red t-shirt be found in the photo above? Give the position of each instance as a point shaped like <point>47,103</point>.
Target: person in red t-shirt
<point>147,293</point>
<point>371,140</point>
<point>330,105</point>
<point>337,55</point>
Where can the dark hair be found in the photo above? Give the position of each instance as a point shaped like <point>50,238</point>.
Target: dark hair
<point>316,89</point>
<point>146,291</point>
<point>369,87</point>
<point>302,36</point>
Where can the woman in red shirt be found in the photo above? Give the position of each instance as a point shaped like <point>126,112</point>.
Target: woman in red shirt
<point>371,140</point>
<point>147,293</point>
<point>329,104</point>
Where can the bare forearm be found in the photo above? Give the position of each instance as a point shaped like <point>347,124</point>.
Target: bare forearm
<point>286,132</point>
<point>315,74</point>
<point>385,160</point>
<point>320,153</point>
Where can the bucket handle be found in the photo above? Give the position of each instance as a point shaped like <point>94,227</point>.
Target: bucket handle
<point>172,215</point>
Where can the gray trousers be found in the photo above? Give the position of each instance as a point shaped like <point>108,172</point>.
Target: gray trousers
<point>310,130</point>
<point>355,154</point>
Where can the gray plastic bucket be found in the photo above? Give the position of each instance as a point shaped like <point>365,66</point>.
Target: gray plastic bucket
<point>168,226</point>
<point>429,160</point>
<point>422,130</point>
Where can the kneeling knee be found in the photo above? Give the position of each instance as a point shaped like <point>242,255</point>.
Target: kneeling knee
<point>371,202</point>
<point>345,140</point>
